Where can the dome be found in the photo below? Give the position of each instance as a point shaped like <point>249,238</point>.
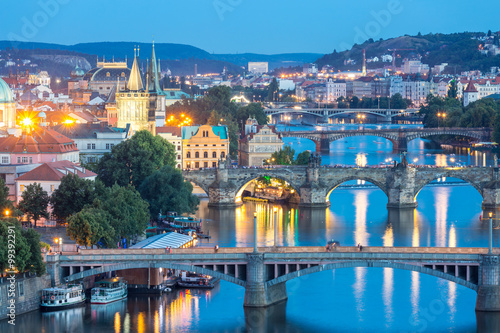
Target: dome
<point>42,115</point>
<point>77,72</point>
<point>5,93</point>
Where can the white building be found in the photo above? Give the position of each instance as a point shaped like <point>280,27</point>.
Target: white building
<point>258,67</point>
<point>470,94</point>
<point>174,136</point>
<point>286,84</point>
<point>416,91</point>
<point>43,78</point>
<point>335,89</point>
<point>309,69</point>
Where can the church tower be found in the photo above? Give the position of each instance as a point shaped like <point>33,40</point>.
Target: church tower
<point>133,104</point>
<point>157,97</point>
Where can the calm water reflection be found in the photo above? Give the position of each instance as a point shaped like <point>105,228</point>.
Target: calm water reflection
<point>345,300</point>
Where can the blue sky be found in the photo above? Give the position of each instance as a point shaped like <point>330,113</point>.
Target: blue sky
<point>239,26</point>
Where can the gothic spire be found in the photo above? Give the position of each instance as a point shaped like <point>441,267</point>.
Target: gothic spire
<point>135,81</point>
<point>153,80</point>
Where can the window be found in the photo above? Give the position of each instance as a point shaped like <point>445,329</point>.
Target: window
<point>107,74</point>
<point>178,157</point>
<point>52,188</point>
<point>205,164</point>
<point>178,166</point>
<point>25,159</point>
<point>222,154</point>
<point>5,159</point>
<point>21,188</point>
<point>197,155</point>
<point>188,165</point>
<point>178,147</point>
<point>123,74</point>
<point>31,160</point>
<point>205,154</point>
<point>188,155</point>
<point>214,155</point>
<point>197,165</point>
<point>18,160</point>
<point>20,286</point>
<point>214,164</point>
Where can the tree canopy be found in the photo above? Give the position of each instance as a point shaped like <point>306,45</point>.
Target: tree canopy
<point>90,227</point>
<point>131,161</point>
<point>286,156</point>
<point>34,202</point>
<point>165,190</point>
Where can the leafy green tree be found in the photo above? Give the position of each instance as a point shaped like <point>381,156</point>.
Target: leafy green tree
<point>35,263</point>
<point>22,248</point>
<point>131,161</point>
<point>283,156</point>
<point>129,213</point>
<point>303,158</point>
<point>5,203</point>
<point>34,202</point>
<point>452,91</point>
<point>72,195</point>
<point>90,227</point>
<point>353,102</point>
<point>165,190</point>
<point>254,110</point>
<point>397,102</point>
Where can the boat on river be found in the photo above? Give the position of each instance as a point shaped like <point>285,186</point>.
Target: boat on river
<point>190,280</point>
<point>62,297</point>
<point>109,290</point>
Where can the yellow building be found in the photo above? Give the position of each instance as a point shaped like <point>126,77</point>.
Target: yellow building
<point>203,146</point>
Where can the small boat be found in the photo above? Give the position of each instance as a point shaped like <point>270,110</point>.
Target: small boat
<point>109,290</point>
<point>195,281</point>
<point>63,297</point>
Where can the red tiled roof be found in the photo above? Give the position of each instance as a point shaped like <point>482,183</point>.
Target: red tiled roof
<point>41,140</point>
<point>55,171</point>
<point>169,129</point>
<point>470,88</point>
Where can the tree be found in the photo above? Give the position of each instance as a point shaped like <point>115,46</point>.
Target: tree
<point>34,202</point>
<point>283,156</point>
<point>128,212</point>
<point>90,227</point>
<point>5,203</point>
<point>273,89</point>
<point>452,91</point>
<point>165,190</point>
<point>254,110</point>
<point>303,158</point>
<point>397,102</point>
<point>22,254</point>
<point>36,263</point>
<point>72,195</point>
<point>131,161</point>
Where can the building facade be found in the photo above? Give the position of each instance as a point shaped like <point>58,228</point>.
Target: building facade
<point>203,146</point>
<point>174,136</point>
<point>258,143</point>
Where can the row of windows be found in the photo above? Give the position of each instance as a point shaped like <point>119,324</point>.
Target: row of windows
<point>23,159</point>
<point>205,154</point>
<point>197,165</point>
<point>92,145</point>
<point>222,145</point>
<point>22,188</point>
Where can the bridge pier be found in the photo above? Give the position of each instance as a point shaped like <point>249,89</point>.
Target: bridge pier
<point>401,145</point>
<point>54,269</point>
<point>257,293</point>
<point>222,193</point>
<point>313,193</point>
<point>322,145</point>
<point>491,194</point>
<point>488,293</point>
<point>401,187</point>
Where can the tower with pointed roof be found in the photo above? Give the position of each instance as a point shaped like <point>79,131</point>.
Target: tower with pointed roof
<point>470,94</point>
<point>133,104</point>
<point>157,97</point>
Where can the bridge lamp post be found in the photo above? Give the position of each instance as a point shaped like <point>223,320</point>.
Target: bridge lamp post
<point>275,226</point>
<point>255,250</point>
<point>490,249</point>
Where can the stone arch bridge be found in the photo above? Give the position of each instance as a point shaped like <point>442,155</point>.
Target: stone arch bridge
<point>314,183</point>
<point>264,273</point>
<point>398,137</point>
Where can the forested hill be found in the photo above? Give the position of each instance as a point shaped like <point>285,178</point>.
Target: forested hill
<point>459,50</point>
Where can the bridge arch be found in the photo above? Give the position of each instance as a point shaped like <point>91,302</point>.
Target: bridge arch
<point>193,180</point>
<point>333,186</point>
<point>243,183</point>
<point>420,184</point>
<point>368,263</point>
<point>134,265</point>
<point>451,131</point>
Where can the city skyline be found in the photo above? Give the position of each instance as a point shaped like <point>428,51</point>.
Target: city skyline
<point>237,26</point>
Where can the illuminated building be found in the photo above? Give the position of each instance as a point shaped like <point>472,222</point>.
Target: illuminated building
<point>203,146</point>
<point>105,76</point>
<point>258,67</point>
<point>258,143</point>
<point>7,106</point>
<point>173,135</point>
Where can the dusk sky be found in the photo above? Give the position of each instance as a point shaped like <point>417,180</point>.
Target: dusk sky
<point>239,26</point>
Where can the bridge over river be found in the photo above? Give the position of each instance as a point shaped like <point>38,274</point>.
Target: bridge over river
<point>314,183</point>
<point>263,272</point>
<point>398,137</point>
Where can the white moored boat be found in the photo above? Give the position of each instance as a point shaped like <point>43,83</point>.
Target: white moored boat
<point>62,297</point>
<point>109,290</point>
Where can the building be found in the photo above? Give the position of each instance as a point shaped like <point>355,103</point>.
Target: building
<point>49,175</point>
<point>137,105</point>
<point>258,143</point>
<point>309,69</point>
<point>335,89</point>
<point>94,140</point>
<point>7,106</point>
<point>470,94</point>
<point>258,67</point>
<point>43,79</point>
<point>416,90</point>
<point>106,75</point>
<point>174,136</point>
<point>174,95</point>
<point>9,173</point>
<point>203,146</point>
<point>41,145</point>
<point>362,87</point>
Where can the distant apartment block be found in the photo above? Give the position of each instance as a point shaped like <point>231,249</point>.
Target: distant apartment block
<point>258,67</point>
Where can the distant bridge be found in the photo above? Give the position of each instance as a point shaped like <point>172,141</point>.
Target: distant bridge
<point>263,274</point>
<point>398,137</point>
<point>386,114</point>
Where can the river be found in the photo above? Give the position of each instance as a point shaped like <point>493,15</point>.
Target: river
<point>345,300</point>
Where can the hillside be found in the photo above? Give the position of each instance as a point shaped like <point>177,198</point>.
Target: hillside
<point>459,50</point>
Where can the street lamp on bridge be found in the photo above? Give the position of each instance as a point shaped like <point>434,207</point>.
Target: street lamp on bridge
<point>441,115</point>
